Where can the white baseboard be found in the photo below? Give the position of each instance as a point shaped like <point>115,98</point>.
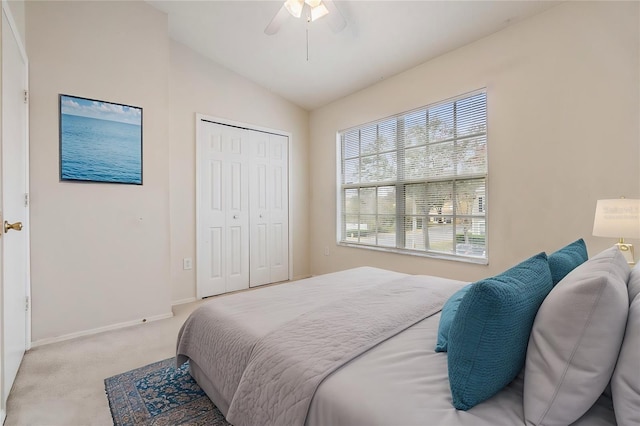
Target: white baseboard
<point>70,336</point>
<point>183,301</point>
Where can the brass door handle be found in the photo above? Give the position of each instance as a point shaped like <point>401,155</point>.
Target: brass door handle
<point>15,226</point>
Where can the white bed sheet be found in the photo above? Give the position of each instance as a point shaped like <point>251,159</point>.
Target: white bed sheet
<point>403,381</point>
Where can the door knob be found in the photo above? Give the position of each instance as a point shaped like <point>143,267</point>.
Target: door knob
<point>235,216</point>
<point>15,226</point>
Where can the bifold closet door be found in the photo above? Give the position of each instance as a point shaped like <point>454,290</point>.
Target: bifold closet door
<point>223,243</point>
<point>269,206</point>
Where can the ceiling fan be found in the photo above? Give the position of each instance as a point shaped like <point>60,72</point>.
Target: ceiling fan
<point>311,10</point>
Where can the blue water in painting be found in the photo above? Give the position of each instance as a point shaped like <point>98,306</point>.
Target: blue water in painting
<point>101,150</point>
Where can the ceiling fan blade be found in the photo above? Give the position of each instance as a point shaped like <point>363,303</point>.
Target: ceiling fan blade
<point>277,21</point>
<point>335,19</point>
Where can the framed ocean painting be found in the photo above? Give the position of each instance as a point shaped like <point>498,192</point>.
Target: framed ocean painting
<point>100,141</point>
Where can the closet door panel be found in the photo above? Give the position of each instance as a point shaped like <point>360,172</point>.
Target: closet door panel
<point>211,216</point>
<point>235,259</point>
<point>278,209</point>
<point>215,181</point>
<point>236,144</point>
<point>259,260</point>
<point>216,270</point>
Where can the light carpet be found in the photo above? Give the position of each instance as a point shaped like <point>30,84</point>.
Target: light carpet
<point>62,384</point>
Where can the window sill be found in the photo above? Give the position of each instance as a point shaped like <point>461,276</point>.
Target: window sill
<point>433,255</point>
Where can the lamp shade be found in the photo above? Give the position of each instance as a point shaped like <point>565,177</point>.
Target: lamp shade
<point>617,218</point>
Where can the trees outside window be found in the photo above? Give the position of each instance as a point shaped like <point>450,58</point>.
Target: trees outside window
<point>416,182</point>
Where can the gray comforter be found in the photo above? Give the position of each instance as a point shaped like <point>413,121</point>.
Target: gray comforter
<point>219,336</point>
<point>287,365</point>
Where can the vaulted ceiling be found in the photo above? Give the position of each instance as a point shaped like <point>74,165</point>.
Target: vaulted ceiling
<point>310,65</point>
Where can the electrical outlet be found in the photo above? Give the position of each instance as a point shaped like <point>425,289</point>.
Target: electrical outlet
<point>187,263</point>
<point>326,251</point>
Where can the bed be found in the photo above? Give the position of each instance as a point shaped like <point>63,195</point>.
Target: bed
<point>395,378</point>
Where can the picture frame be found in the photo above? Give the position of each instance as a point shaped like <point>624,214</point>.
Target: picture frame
<point>100,141</point>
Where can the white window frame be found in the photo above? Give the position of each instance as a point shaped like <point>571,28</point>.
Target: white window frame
<point>399,212</point>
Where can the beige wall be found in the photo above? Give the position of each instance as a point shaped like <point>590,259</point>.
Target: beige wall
<point>563,122</point>
<point>100,252</point>
<point>198,85</point>
<point>17,11</point>
<point>106,254</point>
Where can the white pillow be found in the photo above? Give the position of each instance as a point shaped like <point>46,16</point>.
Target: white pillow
<point>575,341</point>
<point>634,283</point>
<point>625,383</point>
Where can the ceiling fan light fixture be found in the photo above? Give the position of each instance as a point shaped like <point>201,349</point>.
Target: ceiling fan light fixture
<point>312,11</point>
<point>318,11</point>
<point>294,7</point>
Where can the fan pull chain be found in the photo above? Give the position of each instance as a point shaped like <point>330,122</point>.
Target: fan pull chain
<point>307,45</point>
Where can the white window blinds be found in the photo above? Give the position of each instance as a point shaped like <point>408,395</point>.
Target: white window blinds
<point>416,182</point>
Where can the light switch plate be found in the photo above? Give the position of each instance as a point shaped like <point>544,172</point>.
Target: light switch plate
<point>187,263</point>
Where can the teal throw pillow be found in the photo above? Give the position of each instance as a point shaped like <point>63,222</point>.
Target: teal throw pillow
<point>446,317</point>
<point>567,259</point>
<point>489,335</point>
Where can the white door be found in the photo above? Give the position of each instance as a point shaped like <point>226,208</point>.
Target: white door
<point>242,208</point>
<point>259,207</point>
<point>14,188</point>
<point>279,211</point>
<point>223,210</point>
<point>269,207</point>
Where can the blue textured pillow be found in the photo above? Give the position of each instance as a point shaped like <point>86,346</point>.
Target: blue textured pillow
<point>567,259</point>
<point>489,335</point>
<point>446,318</point>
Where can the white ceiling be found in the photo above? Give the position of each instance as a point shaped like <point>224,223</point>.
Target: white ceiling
<point>382,38</point>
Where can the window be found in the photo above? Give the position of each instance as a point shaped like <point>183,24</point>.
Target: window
<point>417,182</point>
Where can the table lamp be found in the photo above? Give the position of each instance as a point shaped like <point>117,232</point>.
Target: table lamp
<point>618,218</point>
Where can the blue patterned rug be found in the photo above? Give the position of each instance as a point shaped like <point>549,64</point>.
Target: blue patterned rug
<point>160,394</point>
